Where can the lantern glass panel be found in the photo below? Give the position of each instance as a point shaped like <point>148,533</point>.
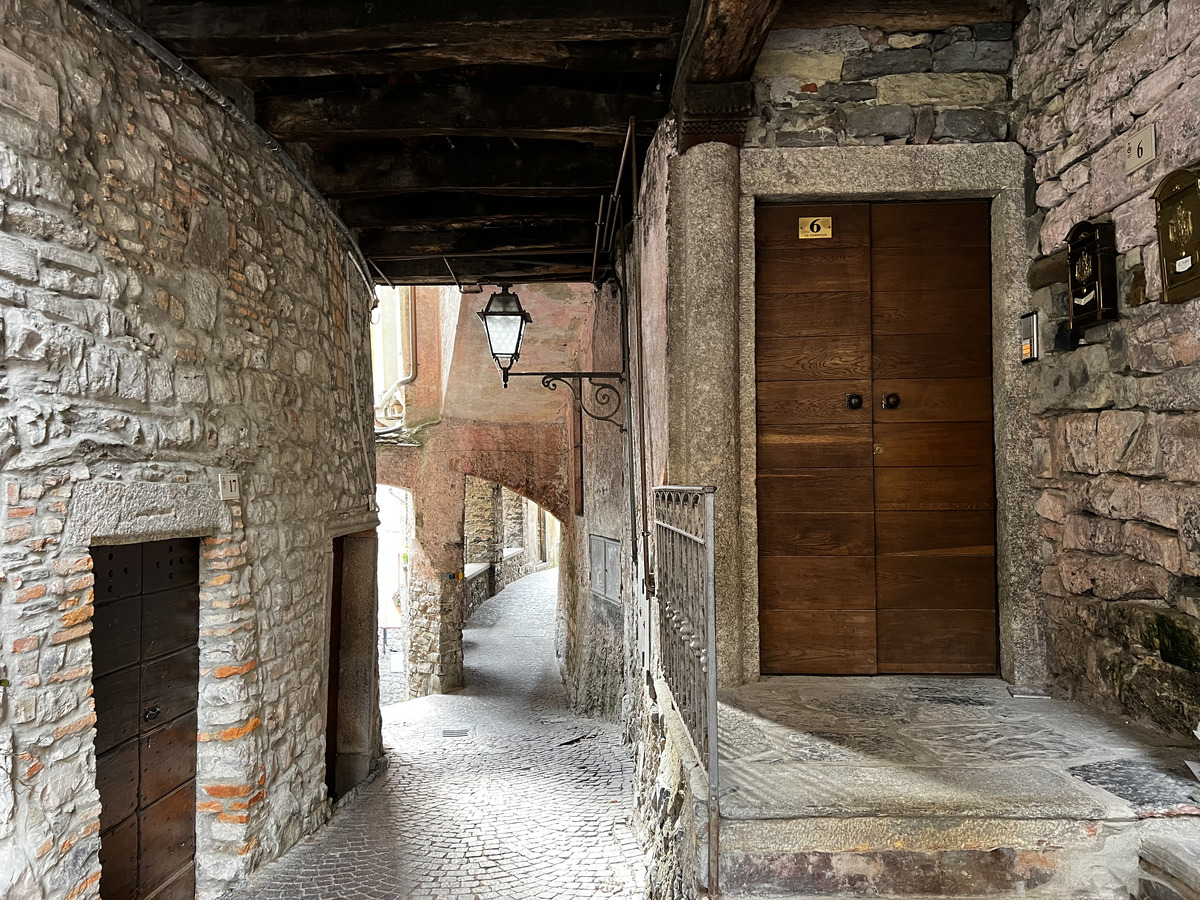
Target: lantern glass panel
<point>504,333</point>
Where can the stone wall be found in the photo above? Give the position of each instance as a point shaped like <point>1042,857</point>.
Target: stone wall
<point>174,306</point>
<point>852,85</point>
<point>1118,419</point>
<point>481,511</point>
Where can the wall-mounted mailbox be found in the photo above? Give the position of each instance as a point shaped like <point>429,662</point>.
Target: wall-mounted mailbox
<point>1092,276</point>
<point>1178,206</point>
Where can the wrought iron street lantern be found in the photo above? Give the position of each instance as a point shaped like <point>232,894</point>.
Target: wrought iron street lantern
<point>504,320</point>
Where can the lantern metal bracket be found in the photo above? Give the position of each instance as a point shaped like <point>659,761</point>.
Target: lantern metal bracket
<point>604,397</point>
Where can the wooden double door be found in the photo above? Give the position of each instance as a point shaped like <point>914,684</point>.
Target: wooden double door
<point>145,670</point>
<point>876,498</point>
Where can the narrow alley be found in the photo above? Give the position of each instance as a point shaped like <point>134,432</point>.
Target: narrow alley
<point>497,791</point>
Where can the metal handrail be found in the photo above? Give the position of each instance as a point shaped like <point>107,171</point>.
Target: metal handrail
<point>685,566</point>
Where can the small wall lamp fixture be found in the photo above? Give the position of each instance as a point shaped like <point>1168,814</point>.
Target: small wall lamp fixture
<point>504,320</point>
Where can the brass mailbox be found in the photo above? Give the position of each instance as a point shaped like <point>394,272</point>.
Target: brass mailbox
<point>1178,206</point>
<point>1092,276</point>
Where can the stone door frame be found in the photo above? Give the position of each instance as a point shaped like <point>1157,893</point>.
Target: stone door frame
<point>997,172</point>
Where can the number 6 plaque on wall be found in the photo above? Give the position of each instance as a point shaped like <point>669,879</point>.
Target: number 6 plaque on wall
<point>1177,204</point>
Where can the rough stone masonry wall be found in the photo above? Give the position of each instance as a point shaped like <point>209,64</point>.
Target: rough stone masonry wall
<point>174,306</point>
<point>1118,420</point>
<point>852,85</point>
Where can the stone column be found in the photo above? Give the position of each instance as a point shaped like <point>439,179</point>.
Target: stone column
<point>702,374</point>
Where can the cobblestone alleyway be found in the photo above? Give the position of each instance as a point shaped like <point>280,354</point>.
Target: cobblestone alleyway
<point>497,791</point>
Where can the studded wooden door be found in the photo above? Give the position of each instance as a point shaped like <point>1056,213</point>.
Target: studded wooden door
<point>145,663</point>
<point>875,487</point>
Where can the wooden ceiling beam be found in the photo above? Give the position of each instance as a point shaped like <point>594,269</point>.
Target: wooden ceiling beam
<point>541,239</point>
<point>231,28</point>
<point>897,15</point>
<point>439,210</point>
<point>516,270</point>
<point>722,40</point>
<point>517,111</point>
<point>649,56</point>
<point>502,167</point>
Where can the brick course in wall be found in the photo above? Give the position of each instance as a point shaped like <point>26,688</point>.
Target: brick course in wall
<point>1116,420</point>
<point>174,306</point>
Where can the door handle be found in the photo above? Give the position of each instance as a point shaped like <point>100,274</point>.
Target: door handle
<point>854,401</point>
<point>152,713</point>
<point>891,401</point>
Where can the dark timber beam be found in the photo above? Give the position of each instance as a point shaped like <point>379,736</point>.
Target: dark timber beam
<point>267,27</point>
<point>723,40</point>
<point>897,15</point>
<point>531,168</point>
<point>437,210</point>
<point>637,56</point>
<point>548,238</point>
<point>516,270</point>
<point>516,111</point>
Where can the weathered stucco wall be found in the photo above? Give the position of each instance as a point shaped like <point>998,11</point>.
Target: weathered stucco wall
<point>1117,445</point>
<point>174,306</point>
<point>591,633</point>
<point>853,85</point>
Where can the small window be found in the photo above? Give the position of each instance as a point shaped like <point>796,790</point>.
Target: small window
<point>605,557</point>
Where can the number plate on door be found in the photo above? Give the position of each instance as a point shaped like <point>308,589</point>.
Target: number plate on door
<point>816,227</point>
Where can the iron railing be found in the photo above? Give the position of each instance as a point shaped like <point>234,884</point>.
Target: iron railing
<point>686,586</point>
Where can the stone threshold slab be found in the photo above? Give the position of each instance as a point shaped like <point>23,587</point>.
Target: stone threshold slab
<point>804,789</point>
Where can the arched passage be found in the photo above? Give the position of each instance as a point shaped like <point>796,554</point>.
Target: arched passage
<point>527,459</point>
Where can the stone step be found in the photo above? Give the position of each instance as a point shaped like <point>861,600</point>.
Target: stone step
<point>914,857</point>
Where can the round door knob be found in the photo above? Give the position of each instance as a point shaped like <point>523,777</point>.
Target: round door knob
<point>891,401</point>
<point>152,713</point>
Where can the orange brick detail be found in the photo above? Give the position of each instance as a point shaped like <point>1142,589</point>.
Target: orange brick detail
<point>83,581</point>
<point>70,634</point>
<point>73,566</point>
<point>17,532</point>
<point>74,727</point>
<point>25,644</point>
<point>219,580</point>
<point>226,671</point>
<point>21,512</point>
<point>234,818</point>
<point>33,592</point>
<point>45,848</point>
<point>246,848</point>
<point>227,790</point>
<point>209,806</point>
<point>71,674</point>
<point>240,731</point>
<point>83,885</point>
<point>75,616</point>
<point>33,770</point>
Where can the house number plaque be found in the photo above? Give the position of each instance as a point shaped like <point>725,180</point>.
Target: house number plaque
<point>816,227</point>
<point>1178,206</point>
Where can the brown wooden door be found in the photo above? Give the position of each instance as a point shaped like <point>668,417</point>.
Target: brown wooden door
<point>335,668</point>
<point>876,526</point>
<point>145,669</point>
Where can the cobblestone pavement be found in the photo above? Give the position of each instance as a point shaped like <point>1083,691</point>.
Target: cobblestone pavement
<point>497,791</point>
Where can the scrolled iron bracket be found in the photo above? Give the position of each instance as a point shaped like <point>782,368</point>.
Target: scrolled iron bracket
<point>599,400</point>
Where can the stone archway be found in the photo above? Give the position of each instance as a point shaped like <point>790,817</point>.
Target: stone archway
<point>528,459</point>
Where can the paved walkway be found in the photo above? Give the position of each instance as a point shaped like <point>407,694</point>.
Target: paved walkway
<point>497,791</point>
